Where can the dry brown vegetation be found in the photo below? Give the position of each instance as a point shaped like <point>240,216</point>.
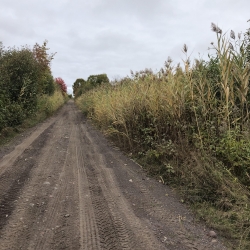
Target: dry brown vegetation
<point>189,125</point>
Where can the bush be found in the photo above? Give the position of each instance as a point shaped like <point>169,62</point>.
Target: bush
<point>19,75</point>
<point>18,84</point>
<point>234,151</point>
<point>48,84</point>
<point>25,75</point>
<point>97,80</point>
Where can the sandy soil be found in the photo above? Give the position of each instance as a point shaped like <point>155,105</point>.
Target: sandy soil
<point>64,186</point>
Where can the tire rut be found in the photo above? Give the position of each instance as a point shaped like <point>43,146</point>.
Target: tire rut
<point>37,193</point>
<point>114,219</point>
<point>12,182</point>
<point>89,234</point>
<point>52,218</point>
<point>178,234</point>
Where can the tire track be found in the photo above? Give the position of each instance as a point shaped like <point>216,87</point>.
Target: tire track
<point>9,159</point>
<point>178,232</point>
<point>59,230</point>
<point>52,218</point>
<point>89,234</point>
<point>12,182</point>
<point>24,221</point>
<point>155,209</point>
<point>115,221</point>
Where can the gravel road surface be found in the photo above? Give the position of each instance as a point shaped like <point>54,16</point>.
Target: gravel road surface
<point>64,186</point>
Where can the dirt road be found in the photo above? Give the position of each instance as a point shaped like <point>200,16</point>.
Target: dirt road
<point>63,186</point>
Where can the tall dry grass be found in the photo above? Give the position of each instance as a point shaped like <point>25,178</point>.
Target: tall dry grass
<point>47,104</point>
<point>189,125</point>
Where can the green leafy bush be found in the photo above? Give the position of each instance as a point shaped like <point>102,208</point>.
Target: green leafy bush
<point>19,75</point>
<point>234,151</point>
<point>97,80</point>
<point>25,75</point>
<point>81,86</point>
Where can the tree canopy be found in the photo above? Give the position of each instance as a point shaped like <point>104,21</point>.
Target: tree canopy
<point>81,86</point>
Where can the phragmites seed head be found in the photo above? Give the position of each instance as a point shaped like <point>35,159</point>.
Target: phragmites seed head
<point>213,27</point>
<point>231,46</point>
<point>216,29</point>
<point>239,35</point>
<point>169,60</point>
<point>166,64</point>
<point>232,34</point>
<point>185,48</point>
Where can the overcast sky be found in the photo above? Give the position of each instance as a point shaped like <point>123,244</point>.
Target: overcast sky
<point>116,36</point>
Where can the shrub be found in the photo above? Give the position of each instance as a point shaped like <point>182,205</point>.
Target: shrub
<point>96,80</point>
<point>62,84</point>
<point>25,75</point>
<point>19,83</point>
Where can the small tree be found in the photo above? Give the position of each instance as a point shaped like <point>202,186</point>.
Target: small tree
<point>81,86</point>
<point>62,84</point>
<point>78,87</point>
<point>96,80</point>
<point>43,58</point>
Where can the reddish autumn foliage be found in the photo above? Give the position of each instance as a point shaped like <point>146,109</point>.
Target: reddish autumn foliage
<point>41,55</point>
<point>62,84</point>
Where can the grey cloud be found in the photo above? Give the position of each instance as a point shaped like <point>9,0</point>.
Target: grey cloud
<point>114,36</point>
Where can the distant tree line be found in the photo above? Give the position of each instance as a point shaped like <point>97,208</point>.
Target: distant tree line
<point>81,86</point>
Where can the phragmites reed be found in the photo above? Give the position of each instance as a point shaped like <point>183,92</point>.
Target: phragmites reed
<point>216,29</point>
<point>185,48</point>
<point>232,34</point>
<point>168,63</point>
<point>196,116</point>
<point>230,46</point>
